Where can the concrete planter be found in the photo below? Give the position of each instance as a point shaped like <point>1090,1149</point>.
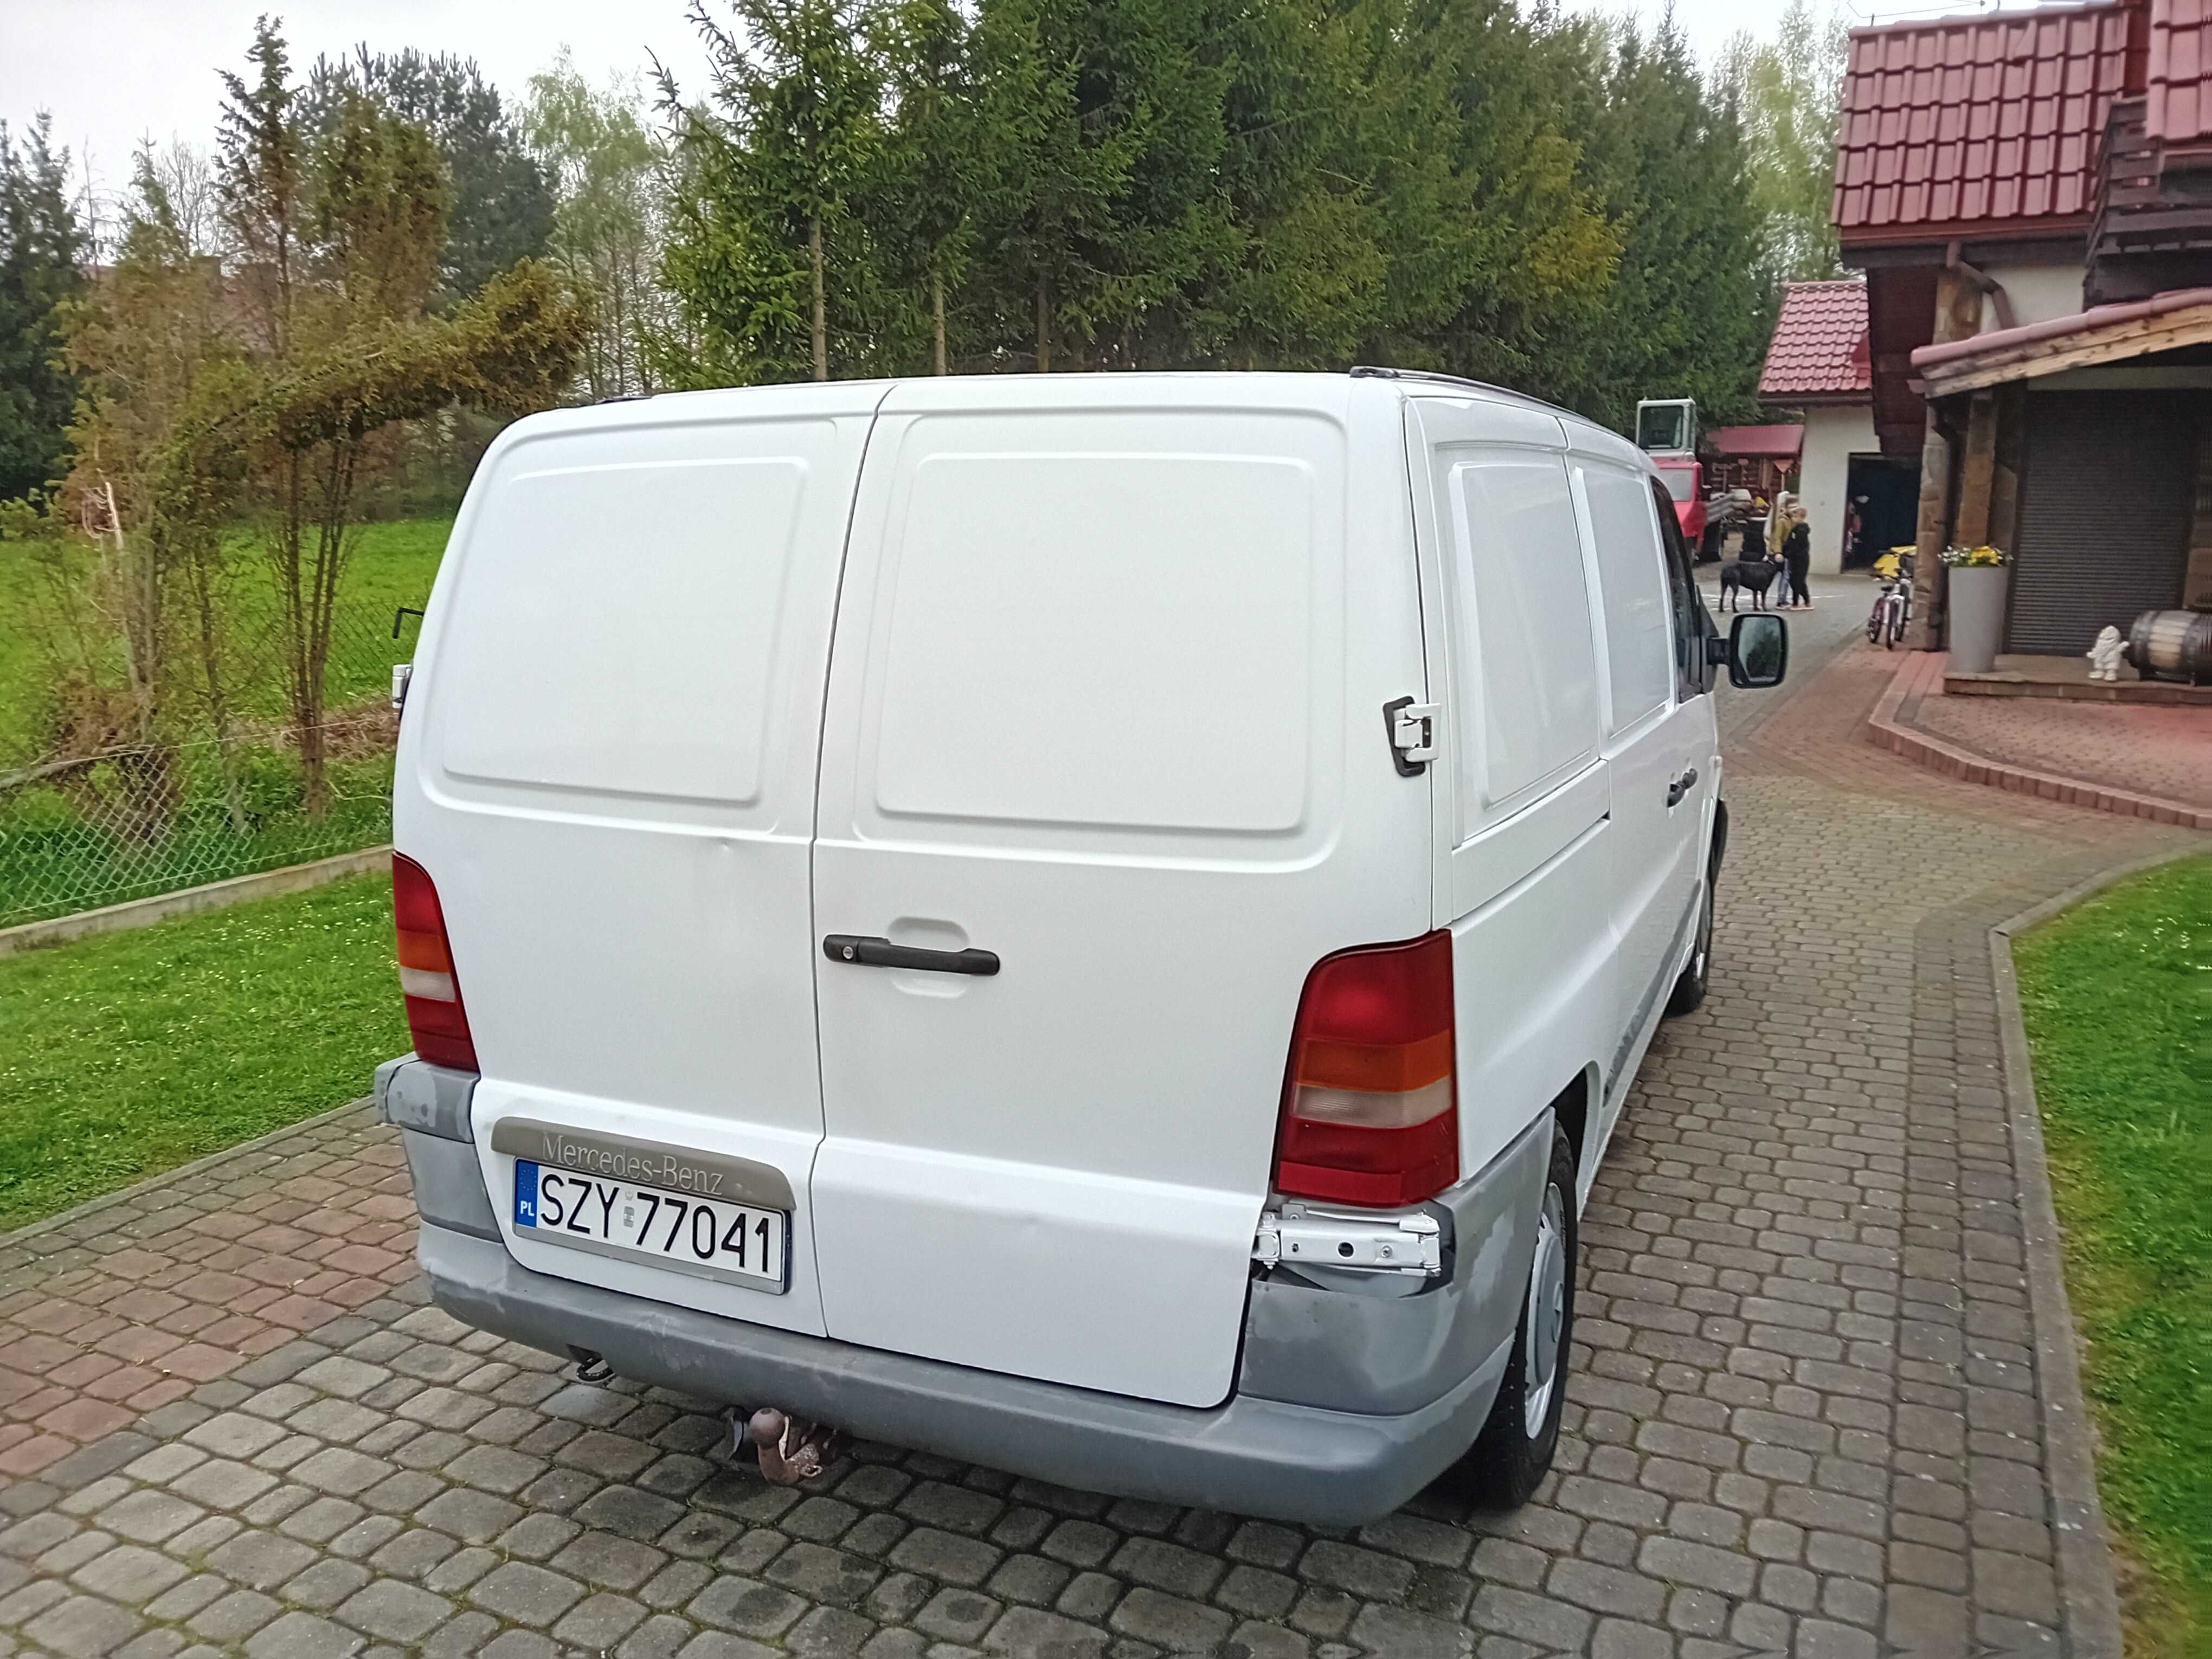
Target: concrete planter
<point>1977,614</point>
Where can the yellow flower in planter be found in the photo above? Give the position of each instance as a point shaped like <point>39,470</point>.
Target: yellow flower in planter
<point>1975,558</point>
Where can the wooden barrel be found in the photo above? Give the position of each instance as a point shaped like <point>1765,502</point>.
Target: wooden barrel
<point>2173,645</point>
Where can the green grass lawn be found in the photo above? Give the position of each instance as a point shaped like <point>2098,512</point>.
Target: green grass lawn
<point>392,565</point>
<point>129,1053</point>
<point>2117,996</point>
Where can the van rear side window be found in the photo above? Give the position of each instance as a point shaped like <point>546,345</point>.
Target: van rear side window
<point>1099,639</point>
<point>1639,641</point>
<point>1526,661</point>
<point>615,627</point>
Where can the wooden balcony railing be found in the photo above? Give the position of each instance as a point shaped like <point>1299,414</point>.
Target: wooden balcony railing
<point>2154,220</point>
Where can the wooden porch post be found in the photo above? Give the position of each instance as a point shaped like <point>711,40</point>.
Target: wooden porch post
<point>1958,316</point>
<point>2004,482</point>
<point>1977,471</point>
<point>1929,539</point>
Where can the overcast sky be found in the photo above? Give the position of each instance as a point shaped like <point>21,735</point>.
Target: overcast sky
<point>112,71</point>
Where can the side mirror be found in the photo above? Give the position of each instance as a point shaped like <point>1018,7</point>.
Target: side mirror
<point>1758,650</point>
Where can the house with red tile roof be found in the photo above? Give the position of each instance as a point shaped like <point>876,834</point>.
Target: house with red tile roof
<point>1819,365</point>
<point>2029,195</point>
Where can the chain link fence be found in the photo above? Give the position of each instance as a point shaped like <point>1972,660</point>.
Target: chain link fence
<point>120,821</point>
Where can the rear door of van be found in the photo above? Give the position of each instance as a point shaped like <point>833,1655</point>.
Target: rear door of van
<point>1105,704</point>
<point>1525,877</point>
<point>1657,746</point>
<point>608,769</point>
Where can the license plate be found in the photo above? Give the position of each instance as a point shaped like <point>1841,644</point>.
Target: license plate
<point>715,1237</point>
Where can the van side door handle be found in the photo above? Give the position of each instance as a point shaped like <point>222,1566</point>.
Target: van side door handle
<point>1682,787</point>
<point>867,952</point>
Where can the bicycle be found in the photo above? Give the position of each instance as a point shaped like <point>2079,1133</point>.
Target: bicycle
<point>1892,607</point>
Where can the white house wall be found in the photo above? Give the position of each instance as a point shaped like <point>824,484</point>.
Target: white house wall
<point>2038,294</point>
<point>1833,436</point>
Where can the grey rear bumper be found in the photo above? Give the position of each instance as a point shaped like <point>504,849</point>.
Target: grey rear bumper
<point>1249,1456</point>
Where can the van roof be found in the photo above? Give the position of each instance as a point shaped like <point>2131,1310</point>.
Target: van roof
<point>841,396</point>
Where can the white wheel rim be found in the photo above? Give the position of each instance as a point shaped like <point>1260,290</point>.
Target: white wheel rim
<point>1547,1311</point>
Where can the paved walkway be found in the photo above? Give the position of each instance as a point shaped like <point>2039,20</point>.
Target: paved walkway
<point>1803,1418</point>
<point>2151,749</point>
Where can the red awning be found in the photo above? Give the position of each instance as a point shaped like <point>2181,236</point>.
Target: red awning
<point>1778,443</point>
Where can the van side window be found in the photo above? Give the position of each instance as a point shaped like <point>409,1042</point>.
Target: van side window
<point>1691,624</point>
<point>1522,658</point>
<point>1639,639</point>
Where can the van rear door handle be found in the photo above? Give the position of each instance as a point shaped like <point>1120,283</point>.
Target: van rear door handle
<point>865,951</point>
<point>1682,787</point>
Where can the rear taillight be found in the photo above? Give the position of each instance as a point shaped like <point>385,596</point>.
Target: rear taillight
<point>1369,1111</point>
<point>435,1015</point>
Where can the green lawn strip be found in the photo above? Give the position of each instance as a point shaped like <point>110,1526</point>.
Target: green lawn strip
<point>391,565</point>
<point>2118,999</point>
<point>128,1053</point>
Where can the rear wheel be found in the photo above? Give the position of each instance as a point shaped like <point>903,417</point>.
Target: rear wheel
<point>1510,1457</point>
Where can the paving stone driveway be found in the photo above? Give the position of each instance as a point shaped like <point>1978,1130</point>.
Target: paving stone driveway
<point>1803,1418</point>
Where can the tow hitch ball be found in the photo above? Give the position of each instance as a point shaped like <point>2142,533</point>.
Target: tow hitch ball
<point>791,1449</point>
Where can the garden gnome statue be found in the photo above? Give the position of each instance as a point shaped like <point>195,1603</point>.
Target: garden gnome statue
<point>2104,655</point>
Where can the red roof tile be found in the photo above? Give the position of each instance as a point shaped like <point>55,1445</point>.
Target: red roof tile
<point>2178,106</point>
<point>1820,345</point>
<point>1973,120</point>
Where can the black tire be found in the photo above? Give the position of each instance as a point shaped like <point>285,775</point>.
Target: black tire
<point>1507,1460</point>
<point>1689,992</point>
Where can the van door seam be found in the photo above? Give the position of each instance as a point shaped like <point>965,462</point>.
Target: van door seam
<point>814,844</point>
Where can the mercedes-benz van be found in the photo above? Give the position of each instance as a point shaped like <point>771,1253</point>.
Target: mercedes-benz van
<point>1095,924</point>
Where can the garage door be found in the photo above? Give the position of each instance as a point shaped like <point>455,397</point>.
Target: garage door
<point>2104,510</point>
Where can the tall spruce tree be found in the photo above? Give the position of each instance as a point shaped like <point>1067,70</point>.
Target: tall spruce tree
<point>41,246</point>
<point>933,167</point>
<point>767,250</point>
<point>502,204</point>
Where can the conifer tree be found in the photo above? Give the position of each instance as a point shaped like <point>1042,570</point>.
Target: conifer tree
<point>41,246</point>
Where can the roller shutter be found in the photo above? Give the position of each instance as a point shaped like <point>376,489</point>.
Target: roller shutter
<point>2103,514</point>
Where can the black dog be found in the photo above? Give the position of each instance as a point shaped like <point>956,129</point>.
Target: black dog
<point>1756,575</point>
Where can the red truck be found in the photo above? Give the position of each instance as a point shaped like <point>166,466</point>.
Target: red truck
<point>1666,430</point>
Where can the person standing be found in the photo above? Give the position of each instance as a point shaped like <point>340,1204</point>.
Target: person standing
<point>1797,557</point>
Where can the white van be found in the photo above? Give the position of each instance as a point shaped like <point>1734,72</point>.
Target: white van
<point>1095,924</point>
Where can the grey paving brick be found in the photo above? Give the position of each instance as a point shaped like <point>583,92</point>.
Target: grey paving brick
<point>325,1584</point>
<point>528,1595</point>
<point>261,1560</point>
<point>599,1621</point>
<point>747,1606</point>
<point>230,1619</point>
<point>128,1574</point>
<point>147,1516</point>
<point>1170,1622</point>
<point>1029,1633</point>
<point>83,1627</point>
<point>957,1615</point>
<point>945,1555</point>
